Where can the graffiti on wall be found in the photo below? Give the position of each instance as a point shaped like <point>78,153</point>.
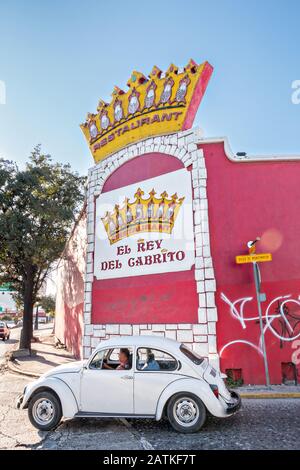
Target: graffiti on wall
<point>281,318</point>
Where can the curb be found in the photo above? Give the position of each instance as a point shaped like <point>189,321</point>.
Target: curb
<point>16,370</point>
<point>270,395</point>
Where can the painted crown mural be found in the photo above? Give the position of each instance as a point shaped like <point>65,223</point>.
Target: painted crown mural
<point>152,214</point>
<point>158,104</point>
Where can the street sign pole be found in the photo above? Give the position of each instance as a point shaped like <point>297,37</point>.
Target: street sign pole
<point>257,279</point>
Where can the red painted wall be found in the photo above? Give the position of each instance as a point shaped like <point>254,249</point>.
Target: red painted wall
<point>156,298</point>
<point>246,200</point>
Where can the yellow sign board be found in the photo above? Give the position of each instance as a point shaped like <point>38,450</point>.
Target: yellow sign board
<point>257,258</point>
<point>156,105</point>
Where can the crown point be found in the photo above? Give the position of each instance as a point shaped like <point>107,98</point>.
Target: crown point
<point>102,104</point>
<point>136,78</point>
<point>117,91</point>
<point>139,193</point>
<point>155,73</point>
<point>172,69</point>
<point>191,66</point>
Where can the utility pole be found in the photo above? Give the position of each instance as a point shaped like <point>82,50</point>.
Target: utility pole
<point>261,297</point>
<point>255,258</point>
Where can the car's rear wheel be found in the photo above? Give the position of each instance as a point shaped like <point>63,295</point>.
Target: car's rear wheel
<point>44,411</point>
<point>186,413</point>
<point>3,339</point>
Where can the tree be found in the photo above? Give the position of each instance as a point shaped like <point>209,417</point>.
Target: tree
<point>38,206</point>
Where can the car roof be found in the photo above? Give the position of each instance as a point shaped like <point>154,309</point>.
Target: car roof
<point>155,342</point>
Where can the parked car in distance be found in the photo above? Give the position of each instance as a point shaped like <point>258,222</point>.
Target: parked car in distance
<point>11,324</point>
<point>20,323</point>
<point>4,331</point>
<point>133,377</point>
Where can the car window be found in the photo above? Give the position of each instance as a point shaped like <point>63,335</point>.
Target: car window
<point>2,325</point>
<point>112,359</point>
<point>155,360</point>
<point>194,357</point>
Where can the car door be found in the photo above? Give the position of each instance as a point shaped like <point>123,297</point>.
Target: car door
<point>154,371</point>
<point>107,391</point>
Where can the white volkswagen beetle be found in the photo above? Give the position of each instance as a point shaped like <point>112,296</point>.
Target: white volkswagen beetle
<point>133,377</point>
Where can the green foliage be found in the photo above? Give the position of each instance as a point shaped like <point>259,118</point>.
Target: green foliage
<point>6,318</point>
<point>231,382</point>
<point>47,302</point>
<point>38,206</point>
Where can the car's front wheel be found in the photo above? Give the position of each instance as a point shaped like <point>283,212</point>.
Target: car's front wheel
<point>44,411</point>
<point>186,413</point>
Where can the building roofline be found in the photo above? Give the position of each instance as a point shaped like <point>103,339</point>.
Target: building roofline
<point>247,158</point>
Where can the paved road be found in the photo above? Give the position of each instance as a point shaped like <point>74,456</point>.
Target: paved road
<point>261,424</point>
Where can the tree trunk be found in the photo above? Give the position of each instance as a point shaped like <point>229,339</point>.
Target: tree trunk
<point>26,333</point>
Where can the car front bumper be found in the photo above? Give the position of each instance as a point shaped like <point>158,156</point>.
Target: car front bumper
<point>236,403</point>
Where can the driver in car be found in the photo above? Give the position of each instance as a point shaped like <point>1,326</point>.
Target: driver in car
<point>124,356</point>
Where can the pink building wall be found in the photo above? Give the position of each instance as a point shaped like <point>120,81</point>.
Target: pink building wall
<point>247,199</point>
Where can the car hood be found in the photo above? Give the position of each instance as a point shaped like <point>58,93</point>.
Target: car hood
<point>70,367</point>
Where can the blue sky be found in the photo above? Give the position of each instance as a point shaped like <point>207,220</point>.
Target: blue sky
<point>57,58</point>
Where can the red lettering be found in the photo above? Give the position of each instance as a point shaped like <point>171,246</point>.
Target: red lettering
<point>166,117</point>
<point>123,250</point>
<point>145,121</point>
<point>157,258</point>
<point>155,118</point>
<point>158,243</point>
<point>180,255</point>
<point>141,246</point>
<point>148,259</point>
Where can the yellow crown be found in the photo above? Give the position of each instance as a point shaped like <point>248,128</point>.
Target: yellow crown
<point>160,104</point>
<point>142,215</point>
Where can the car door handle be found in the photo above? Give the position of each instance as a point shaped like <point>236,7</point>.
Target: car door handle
<point>127,377</point>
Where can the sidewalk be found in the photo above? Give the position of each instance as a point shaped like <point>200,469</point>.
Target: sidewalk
<point>47,356</point>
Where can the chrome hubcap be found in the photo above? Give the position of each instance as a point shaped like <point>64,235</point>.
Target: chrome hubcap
<point>186,411</point>
<point>43,411</point>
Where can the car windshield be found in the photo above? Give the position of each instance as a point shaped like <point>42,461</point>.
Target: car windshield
<point>191,355</point>
<point>2,325</point>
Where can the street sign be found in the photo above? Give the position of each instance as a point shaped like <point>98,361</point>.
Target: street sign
<point>257,258</point>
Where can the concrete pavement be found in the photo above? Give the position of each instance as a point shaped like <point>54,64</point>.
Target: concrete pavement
<point>260,424</point>
<point>47,356</point>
